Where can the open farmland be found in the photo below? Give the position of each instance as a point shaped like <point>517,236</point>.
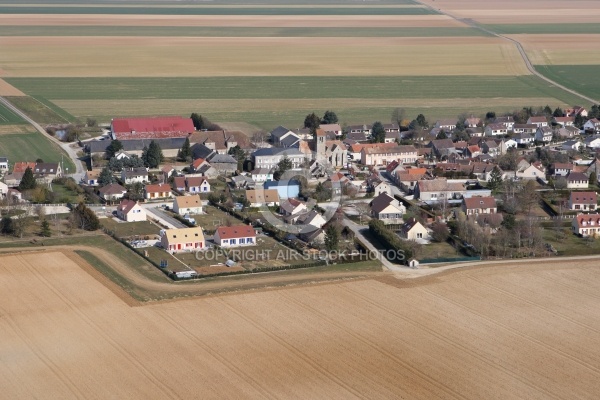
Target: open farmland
<point>501,332</point>
<point>8,117</point>
<point>30,146</point>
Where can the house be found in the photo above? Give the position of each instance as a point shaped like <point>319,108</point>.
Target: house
<point>475,132</point>
<point>20,167</point>
<point>312,235</point>
<point>447,125</point>
<point>169,146</point>
<point>577,180</point>
<point>413,230</point>
<point>259,197</point>
<point>544,134</point>
<point>568,132</point>
<point>179,183</point>
<point>564,121</point>
<point>197,184</point>
<point>3,164</point>
<point>473,151</point>
<point>479,205</point>
<point>507,121</point>
<point>131,211</point>
<point>561,169</point>
<point>442,147</point>
<point>384,155</point>
<point>533,171</point>
<point>336,129</point>
<point>506,144</point>
<point>586,225</point>
<point>167,171</point>
<point>408,181</point>
<point>3,189</point>
<point>14,195</point>
<point>592,125</point>
<point>133,175</point>
<point>575,111</point>
<point>269,157</point>
<point>365,130</point>
<point>183,205</point>
<point>496,130</point>
<point>182,239</point>
<point>490,147</point>
<point>151,128</point>
<point>539,121</point>
<point>592,142</point>
<point>285,188</point>
<point>236,235</point>
<point>91,177</point>
<point>358,137</point>
<point>112,192</point>
<point>221,141</point>
<point>280,133</point>
<point>311,219</point>
<point>583,201</point>
<point>261,175</point>
<point>432,191</point>
<point>382,187</point>
<point>122,154</point>
<point>355,150</point>
<point>524,139</point>
<point>525,128</point>
<point>242,182</point>
<point>472,122</point>
<point>46,172</point>
<point>387,209</point>
<point>482,170</point>
<point>291,207</point>
<point>13,179</point>
<point>223,163</point>
<point>572,145</point>
<point>160,191</point>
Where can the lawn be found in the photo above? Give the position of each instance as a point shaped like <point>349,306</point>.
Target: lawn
<point>204,10</point>
<point>582,78</point>
<point>213,218</point>
<point>569,244</point>
<point>231,31</point>
<point>31,146</point>
<point>41,110</point>
<point>537,29</point>
<point>8,117</point>
<point>438,250</point>
<point>128,229</point>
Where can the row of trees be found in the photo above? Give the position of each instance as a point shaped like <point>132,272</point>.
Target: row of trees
<point>152,154</point>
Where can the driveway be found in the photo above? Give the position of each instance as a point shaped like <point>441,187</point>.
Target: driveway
<point>164,218</point>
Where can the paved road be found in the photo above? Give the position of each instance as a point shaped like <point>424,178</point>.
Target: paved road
<point>79,170</point>
<point>357,231</point>
<point>528,64</point>
<point>164,218</point>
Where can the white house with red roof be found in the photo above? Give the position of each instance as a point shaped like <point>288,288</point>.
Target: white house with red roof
<point>583,201</point>
<point>587,225</point>
<point>564,121</point>
<point>236,235</point>
<point>592,125</point>
<point>197,184</point>
<point>131,211</point>
<point>160,191</point>
<point>479,205</point>
<point>151,128</point>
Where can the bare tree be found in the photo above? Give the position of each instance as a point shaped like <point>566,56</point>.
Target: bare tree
<point>528,197</point>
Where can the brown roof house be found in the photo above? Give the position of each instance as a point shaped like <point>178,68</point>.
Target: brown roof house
<point>479,205</point>
<point>236,235</point>
<point>583,201</point>
<point>414,230</point>
<point>112,192</point>
<point>587,225</point>
<point>131,211</point>
<point>387,209</point>
<point>160,191</point>
<point>266,197</point>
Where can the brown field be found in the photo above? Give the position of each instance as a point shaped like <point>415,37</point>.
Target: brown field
<point>8,90</point>
<point>518,11</point>
<point>156,106</point>
<point>285,21</point>
<point>500,332</point>
<point>155,57</point>
<point>561,49</point>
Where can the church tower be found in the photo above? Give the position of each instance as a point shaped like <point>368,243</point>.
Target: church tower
<point>320,145</point>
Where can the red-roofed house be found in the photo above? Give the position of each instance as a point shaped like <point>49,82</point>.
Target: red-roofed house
<point>131,211</point>
<point>479,205</point>
<point>237,235</point>
<point>583,201</point>
<point>197,184</point>
<point>151,128</point>
<point>586,225</point>
<point>160,191</point>
<point>20,167</point>
<point>564,121</point>
<point>179,183</point>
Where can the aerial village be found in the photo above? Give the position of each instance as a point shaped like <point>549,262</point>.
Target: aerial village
<point>470,187</point>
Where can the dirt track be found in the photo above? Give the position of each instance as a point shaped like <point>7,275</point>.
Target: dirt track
<point>521,331</point>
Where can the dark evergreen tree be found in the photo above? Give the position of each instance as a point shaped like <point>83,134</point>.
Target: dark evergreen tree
<point>185,153</point>
<point>27,181</point>
<point>329,118</point>
<point>332,237</point>
<point>377,133</point>
<point>113,148</point>
<point>152,155</point>
<point>312,121</point>
<point>197,121</point>
<point>45,231</point>
<point>106,177</point>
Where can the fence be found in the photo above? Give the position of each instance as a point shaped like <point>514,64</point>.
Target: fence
<point>447,260</point>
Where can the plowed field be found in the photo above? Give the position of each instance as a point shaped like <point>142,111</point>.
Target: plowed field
<point>500,332</point>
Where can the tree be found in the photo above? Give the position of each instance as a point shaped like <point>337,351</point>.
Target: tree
<point>490,115</point>
<point>27,181</point>
<point>561,183</point>
<point>284,165</point>
<point>547,111</point>
<point>6,225</point>
<point>329,118</point>
<point>312,122</point>
<point>332,237</point>
<point>45,231</point>
<point>152,155</point>
<point>113,148</point>
<point>85,218</point>
<point>197,121</point>
<point>322,193</point>
<point>441,135</point>
<point>136,191</point>
<point>185,153</point>
<point>421,121</point>
<point>440,232</point>
<point>579,121</point>
<point>398,115</point>
<point>593,178</point>
<point>495,182</point>
<point>594,112</point>
<point>558,112</point>
<point>378,133</point>
<point>90,122</point>
<point>528,197</point>
<point>240,156</point>
<point>106,177</point>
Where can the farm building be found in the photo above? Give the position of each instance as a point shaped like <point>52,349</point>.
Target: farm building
<point>237,235</point>
<point>151,128</point>
<point>183,239</point>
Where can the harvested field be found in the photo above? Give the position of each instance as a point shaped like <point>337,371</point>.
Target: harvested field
<point>544,29</point>
<point>553,49</point>
<point>8,90</point>
<point>500,332</point>
<point>14,129</point>
<point>583,78</point>
<point>8,117</point>
<point>32,56</point>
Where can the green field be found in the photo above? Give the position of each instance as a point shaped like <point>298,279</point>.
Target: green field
<point>7,117</point>
<point>31,146</point>
<point>218,2</point>
<point>369,10</point>
<point>513,29</point>
<point>41,110</point>
<point>306,87</point>
<point>223,31</point>
<point>582,78</point>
